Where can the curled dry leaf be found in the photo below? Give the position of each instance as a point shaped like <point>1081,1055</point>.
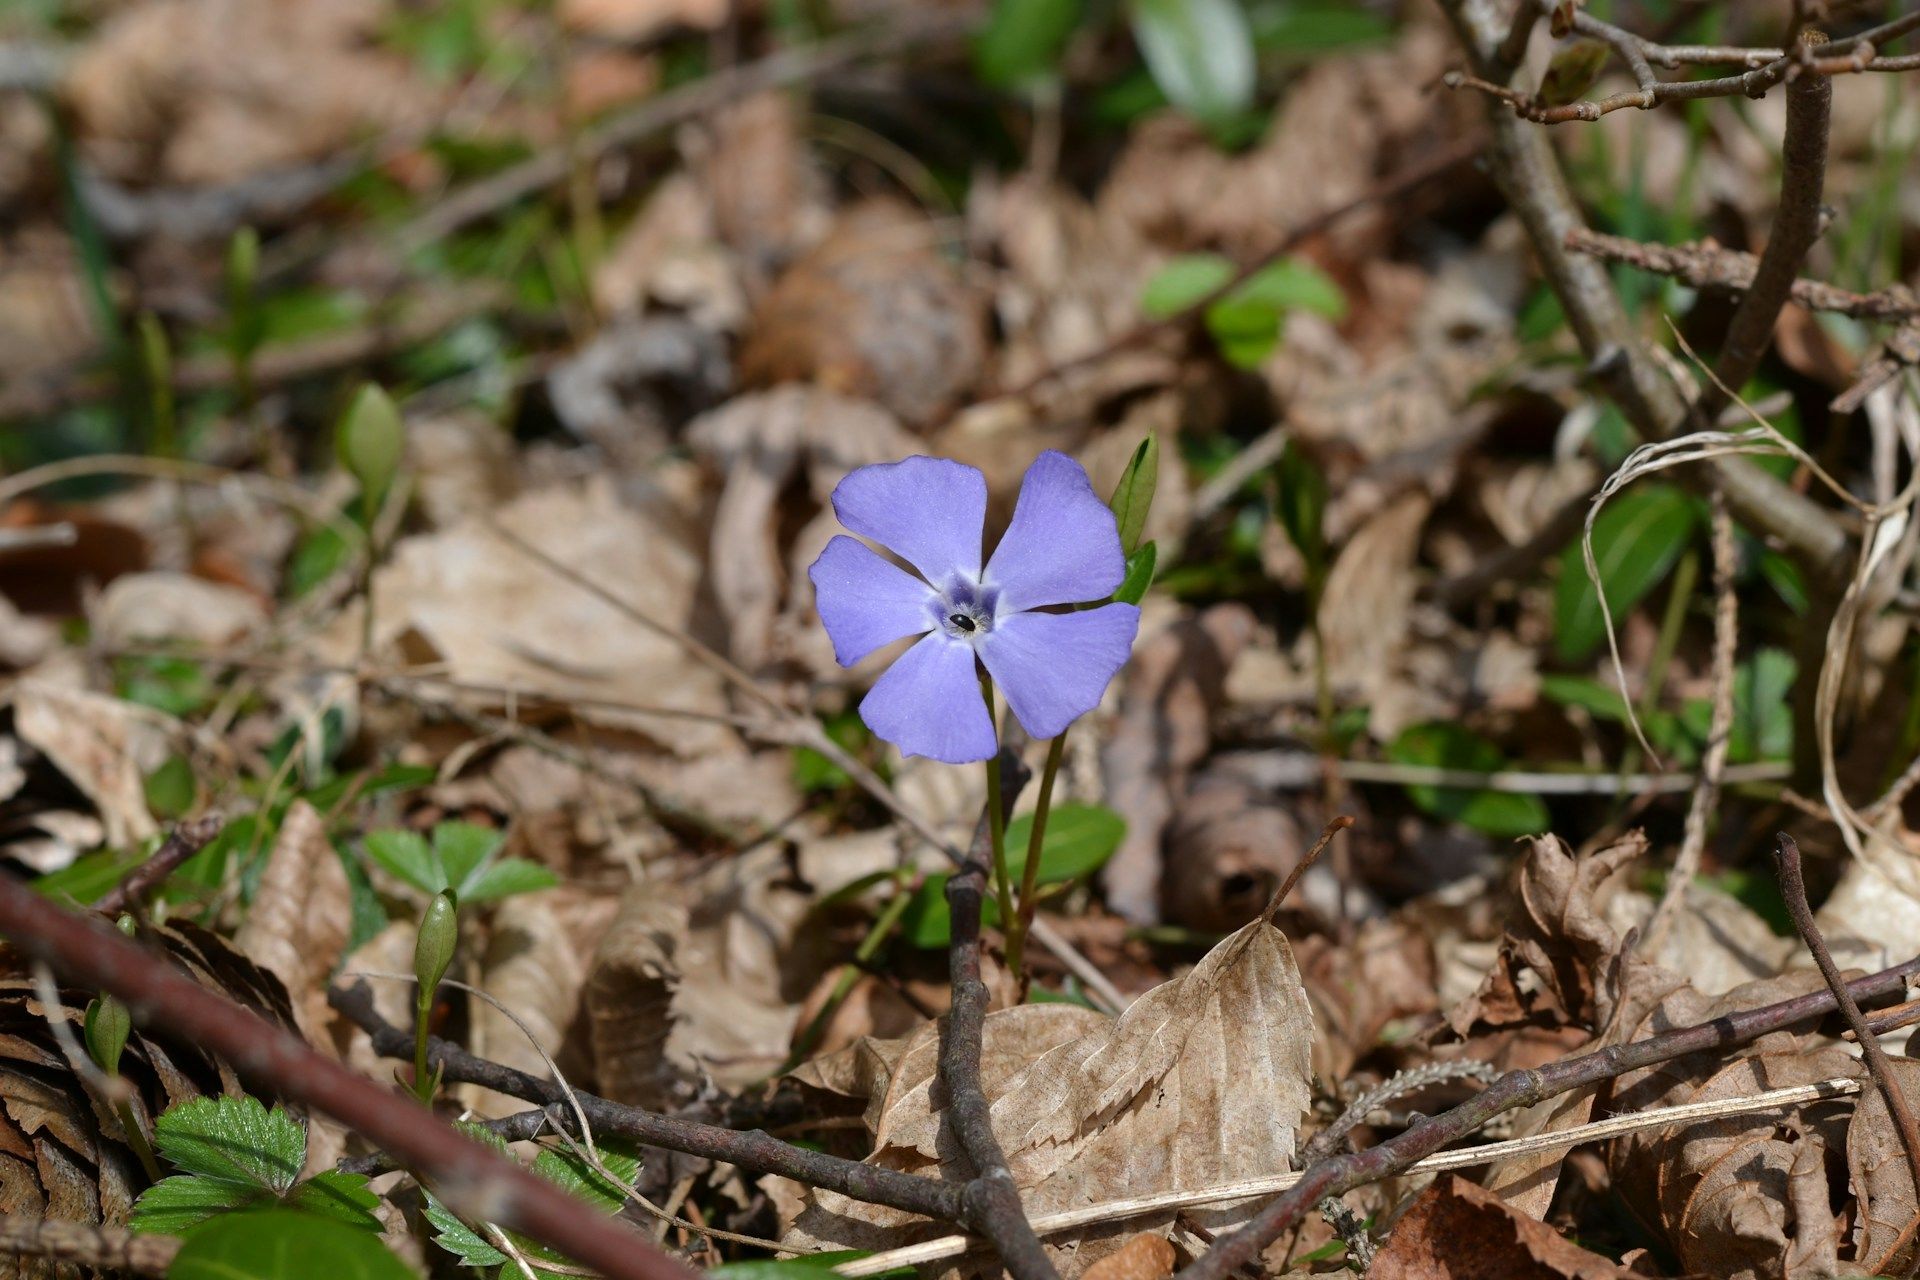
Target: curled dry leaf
<point>302,914</point>
<point>442,594</point>
<point>1885,1231</point>
<point>1169,693</point>
<point>1202,1080</point>
<point>759,442</point>
<point>873,310</point>
<point>104,746</point>
<point>1456,1230</point>
<point>1227,850</point>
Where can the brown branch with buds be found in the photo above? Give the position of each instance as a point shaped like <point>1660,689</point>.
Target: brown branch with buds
<point>1707,264</point>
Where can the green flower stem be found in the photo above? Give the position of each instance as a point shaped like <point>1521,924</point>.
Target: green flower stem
<point>136,1136</point>
<point>905,885</point>
<point>997,820</point>
<point>1030,874</point>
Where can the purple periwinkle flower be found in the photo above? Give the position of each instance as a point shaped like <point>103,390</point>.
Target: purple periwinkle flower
<point>1062,548</point>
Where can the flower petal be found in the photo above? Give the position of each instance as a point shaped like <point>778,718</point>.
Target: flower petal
<point>1063,546</point>
<point>928,511</point>
<point>929,703</point>
<point>866,601</point>
<point>1053,667</point>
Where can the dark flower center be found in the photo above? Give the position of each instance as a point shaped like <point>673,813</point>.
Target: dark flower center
<point>965,610</point>
<point>961,621</point>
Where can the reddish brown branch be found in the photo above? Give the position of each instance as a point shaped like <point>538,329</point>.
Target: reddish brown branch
<point>1520,1089</point>
<point>185,840</point>
<point>992,1195</point>
<point>87,1244</point>
<point>472,1178</point>
<point>754,1152</point>
<point>1794,889</point>
<point>1707,264</point>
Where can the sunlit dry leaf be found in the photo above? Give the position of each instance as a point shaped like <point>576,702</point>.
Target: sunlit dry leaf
<point>1201,1081</point>
<point>175,606</point>
<point>301,915</point>
<point>1883,1181</point>
<point>104,746</point>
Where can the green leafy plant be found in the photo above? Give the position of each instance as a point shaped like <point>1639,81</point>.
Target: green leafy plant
<point>235,1154</point>
<point>1443,744</point>
<point>284,1244</point>
<point>1247,322</point>
<point>462,859</point>
<point>567,1169</point>
<point>1020,45</point>
<point>1078,840</point>
<point>1636,539</point>
<point>1200,53</point>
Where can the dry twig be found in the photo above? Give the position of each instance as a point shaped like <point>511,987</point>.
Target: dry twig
<point>1707,264</point>
<point>182,843</point>
<point>87,1244</point>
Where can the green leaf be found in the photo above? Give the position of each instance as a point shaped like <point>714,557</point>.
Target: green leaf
<point>1139,576</point>
<point>1183,282</point>
<point>1294,284</point>
<point>1022,41</point>
<point>1133,496</point>
<point>507,877</point>
<point>1762,726</point>
<point>174,1206</point>
<point>171,789</point>
<point>458,1239</point>
<point>1200,53</point>
<point>1594,697</point>
<point>236,1139</point>
<point>371,440</point>
<point>1446,745</point>
<point>463,849</point>
<point>87,877</point>
<point>1636,540</point>
<point>1784,576</point>
<point>342,1197</point>
<point>282,1244</point>
<point>1573,70</point>
<point>316,558</point>
<point>1303,509</point>
<point>1079,840</point>
<point>568,1169</point>
<point>1245,329</point>
<point>1306,27</point>
<point>408,856</point>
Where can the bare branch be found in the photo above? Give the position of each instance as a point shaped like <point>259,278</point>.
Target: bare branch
<point>87,1244</point>
<point>471,1177</point>
<point>1707,264</point>
<point>185,840</point>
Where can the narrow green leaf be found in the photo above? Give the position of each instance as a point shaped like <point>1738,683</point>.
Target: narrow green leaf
<point>1303,507</point>
<point>1446,745</point>
<point>1636,540</point>
<point>1200,53</point>
<point>237,1139</point>
<point>1139,576</point>
<point>1133,496</point>
<point>282,1244</point>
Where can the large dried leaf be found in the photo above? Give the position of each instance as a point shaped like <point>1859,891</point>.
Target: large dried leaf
<point>1201,1081</point>
<point>302,913</point>
<point>1459,1231</point>
<point>104,746</point>
<point>1883,1181</point>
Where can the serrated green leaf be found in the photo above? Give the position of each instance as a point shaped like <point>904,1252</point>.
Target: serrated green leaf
<point>1636,540</point>
<point>1446,745</point>
<point>1139,576</point>
<point>1022,41</point>
<point>458,1239</point>
<point>1200,53</point>
<point>341,1196</point>
<point>173,1206</point>
<point>463,849</point>
<point>408,856</point>
<point>1133,496</point>
<point>283,1244</point>
<point>569,1170</point>
<point>236,1139</point>
<point>506,878</point>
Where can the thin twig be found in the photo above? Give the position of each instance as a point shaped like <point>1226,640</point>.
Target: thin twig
<point>470,1177</point>
<point>1466,1158</point>
<point>1794,889</point>
<point>87,1244</point>
<point>1706,790</point>
<point>992,1194</point>
<point>755,1152</point>
<point>1521,1088</point>
<point>183,842</point>
<point>1706,264</point>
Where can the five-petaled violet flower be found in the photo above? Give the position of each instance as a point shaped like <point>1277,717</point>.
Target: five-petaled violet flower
<point>1062,548</point>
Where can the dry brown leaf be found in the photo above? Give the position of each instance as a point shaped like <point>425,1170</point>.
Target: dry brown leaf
<point>1202,1080</point>
<point>1145,1257</point>
<point>758,443</point>
<point>635,20</point>
<point>1169,693</point>
<point>1885,1227</point>
<point>1365,621</point>
<point>175,606</point>
<point>874,311</point>
<point>1459,1231</point>
<point>767,197</point>
<point>206,91</point>
<point>494,615</point>
<point>1384,975</point>
<point>301,915</point>
<point>104,746</point>
<point>1227,849</point>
